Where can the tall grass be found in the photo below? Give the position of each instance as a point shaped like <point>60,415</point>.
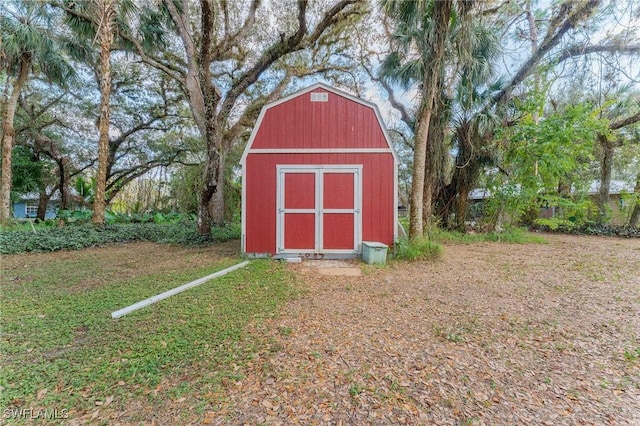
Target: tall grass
<point>417,249</point>
<point>510,235</point>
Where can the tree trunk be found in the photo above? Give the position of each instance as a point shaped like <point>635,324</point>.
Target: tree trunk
<point>105,36</point>
<point>7,138</point>
<point>416,212</point>
<point>64,174</point>
<point>605,178</point>
<point>472,156</point>
<point>208,206</point>
<point>43,202</point>
<point>218,199</point>
<point>437,37</point>
<point>635,213</point>
<point>436,157</point>
<point>211,203</point>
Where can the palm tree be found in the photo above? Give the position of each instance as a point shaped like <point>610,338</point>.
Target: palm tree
<point>422,27</point>
<point>423,32</point>
<point>469,121</point>
<point>104,36</point>
<point>29,42</point>
<point>98,21</point>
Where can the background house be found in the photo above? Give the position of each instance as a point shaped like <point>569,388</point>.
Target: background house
<point>26,207</point>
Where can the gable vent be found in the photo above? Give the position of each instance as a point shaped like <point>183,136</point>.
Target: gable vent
<point>319,97</point>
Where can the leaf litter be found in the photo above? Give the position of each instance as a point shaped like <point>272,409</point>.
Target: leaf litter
<point>491,334</point>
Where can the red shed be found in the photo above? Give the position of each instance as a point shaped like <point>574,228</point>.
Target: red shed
<point>319,177</point>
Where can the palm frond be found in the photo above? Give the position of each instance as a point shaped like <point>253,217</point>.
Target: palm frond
<point>29,30</point>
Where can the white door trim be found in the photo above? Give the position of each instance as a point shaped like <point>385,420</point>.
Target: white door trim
<point>319,170</point>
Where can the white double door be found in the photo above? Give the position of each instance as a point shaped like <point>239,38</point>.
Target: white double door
<point>319,208</point>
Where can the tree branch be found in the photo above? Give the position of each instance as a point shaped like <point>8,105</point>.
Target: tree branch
<point>279,49</point>
<point>573,51</point>
<point>557,29</point>
<point>253,110</point>
<point>493,10</point>
<point>625,121</point>
<point>180,22</point>
<point>122,177</point>
<point>229,41</point>
<point>404,114</point>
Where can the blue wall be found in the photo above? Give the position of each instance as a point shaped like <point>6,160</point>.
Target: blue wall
<point>20,211</point>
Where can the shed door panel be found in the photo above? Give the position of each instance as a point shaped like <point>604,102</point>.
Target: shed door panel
<point>338,231</point>
<point>338,191</point>
<point>299,191</point>
<point>338,211</point>
<point>299,231</point>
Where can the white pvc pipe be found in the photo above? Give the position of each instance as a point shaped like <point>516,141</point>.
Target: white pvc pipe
<point>174,291</point>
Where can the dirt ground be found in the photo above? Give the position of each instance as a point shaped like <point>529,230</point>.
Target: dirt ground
<point>490,334</point>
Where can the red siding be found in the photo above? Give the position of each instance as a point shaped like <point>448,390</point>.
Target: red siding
<point>299,123</point>
<point>338,123</point>
<point>377,195</point>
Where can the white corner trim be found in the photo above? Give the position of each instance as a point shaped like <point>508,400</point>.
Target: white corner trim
<point>243,211</point>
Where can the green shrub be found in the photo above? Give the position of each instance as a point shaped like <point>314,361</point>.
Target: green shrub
<point>514,236</point>
<point>555,224</point>
<point>567,227</point>
<point>417,249</point>
<point>227,231</point>
<point>77,236</point>
<point>111,217</point>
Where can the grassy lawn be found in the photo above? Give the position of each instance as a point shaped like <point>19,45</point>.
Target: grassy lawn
<point>62,350</point>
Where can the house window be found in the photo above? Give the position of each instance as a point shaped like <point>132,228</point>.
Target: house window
<point>31,210</point>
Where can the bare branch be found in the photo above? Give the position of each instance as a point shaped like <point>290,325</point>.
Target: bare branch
<point>557,29</point>
<point>180,21</point>
<point>122,177</point>
<point>625,121</point>
<point>281,48</point>
<point>229,41</point>
<point>397,105</point>
<point>579,50</point>
<point>495,9</point>
<point>404,137</point>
